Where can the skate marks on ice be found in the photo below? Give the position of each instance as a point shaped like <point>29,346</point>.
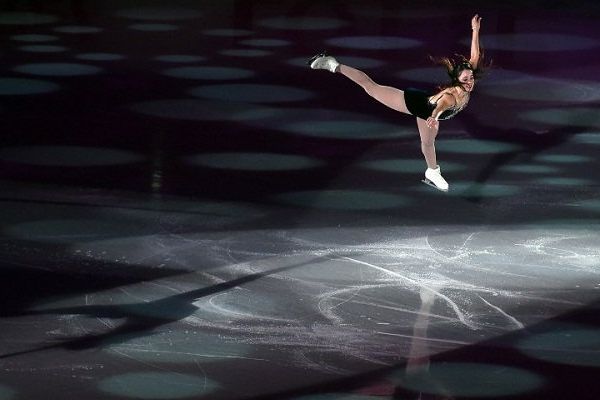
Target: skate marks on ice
<point>353,294</point>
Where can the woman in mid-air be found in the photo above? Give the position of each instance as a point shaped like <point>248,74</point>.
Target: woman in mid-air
<point>429,109</point>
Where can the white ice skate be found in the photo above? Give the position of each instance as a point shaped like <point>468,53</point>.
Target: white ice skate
<point>433,177</point>
<point>323,61</point>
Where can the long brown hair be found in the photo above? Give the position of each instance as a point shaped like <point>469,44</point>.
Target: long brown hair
<point>455,65</point>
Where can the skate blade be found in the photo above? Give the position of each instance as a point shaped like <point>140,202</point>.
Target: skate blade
<point>428,182</point>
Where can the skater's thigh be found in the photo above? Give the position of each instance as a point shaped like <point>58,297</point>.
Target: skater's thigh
<point>390,96</point>
<point>427,134</point>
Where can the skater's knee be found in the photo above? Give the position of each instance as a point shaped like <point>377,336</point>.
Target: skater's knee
<point>427,143</point>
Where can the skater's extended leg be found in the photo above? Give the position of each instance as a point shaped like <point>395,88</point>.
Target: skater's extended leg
<point>387,95</point>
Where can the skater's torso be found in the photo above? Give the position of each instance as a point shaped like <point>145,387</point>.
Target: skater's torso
<point>461,99</point>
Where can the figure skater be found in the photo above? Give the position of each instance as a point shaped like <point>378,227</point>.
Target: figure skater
<point>429,109</point>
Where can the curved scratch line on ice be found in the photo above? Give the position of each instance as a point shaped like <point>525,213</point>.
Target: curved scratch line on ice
<point>501,311</point>
<point>461,316</point>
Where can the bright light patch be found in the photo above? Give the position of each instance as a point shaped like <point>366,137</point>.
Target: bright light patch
<point>587,138</point>
<point>252,93</point>
<point>26,18</point>
<point>7,393</point>
<point>471,380</point>
<point>57,69</point>
<point>564,158</point>
<point>348,130</point>
<point>68,156</point>
<point>189,346</point>
<point>71,230</point>
<point>302,23</point>
<point>568,344</point>
<point>374,42</point>
<point>159,13</point>
<point>343,200</point>
<point>536,42</point>
<point>254,161</point>
<point>209,73</point>
<point>17,87</point>
<point>76,29</point>
<point>34,38</point>
<point>246,52</point>
<point>430,75</point>
<point>590,205</point>
<point>530,169</point>
<point>473,146</point>
<point>157,385</point>
<point>266,42</point>
<point>562,181</point>
<point>544,90</point>
<point>408,166</point>
<point>43,48</point>
<point>195,110</point>
<point>154,27</point>
<point>583,117</point>
<point>227,32</point>
<point>180,58</point>
<point>100,57</point>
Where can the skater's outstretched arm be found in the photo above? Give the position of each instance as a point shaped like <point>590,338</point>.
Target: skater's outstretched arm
<point>443,103</point>
<point>475,48</point>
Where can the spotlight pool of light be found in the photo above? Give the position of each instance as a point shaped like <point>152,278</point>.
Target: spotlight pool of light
<point>154,27</point>
<point>26,18</point>
<point>159,13</point>
<point>589,205</point>
<point>43,48</point>
<point>252,93</point>
<point>100,57</point>
<point>356,62</point>
<point>582,117</point>
<point>180,58</point>
<point>325,123</point>
<point>568,344</point>
<point>68,156</point>
<point>246,52</point>
<point>531,169</point>
<point>456,379</point>
<point>69,231</point>
<point>227,32</point>
<point>374,42</point>
<point>209,73</point>
<point>587,138</point>
<point>474,146</point>
<point>266,42</point>
<point>179,347</point>
<point>58,69</point>
<point>302,23</point>
<point>17,87</point>
<point>157,385</point>
<point>430,75</point>
<point>564,158</point>
<point>254,161</point>
<point>6,393</point>
<point>195,110</point>
<point>343,200</point>
<point>76,29</point>
<point>34,38</point>
<point>537,42</point>
<point>473,189</point>
<point>544,90</point>
<point>407,166</point>
<point>563,181</point>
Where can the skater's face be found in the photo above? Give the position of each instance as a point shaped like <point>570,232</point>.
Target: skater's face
<point>466,79</point>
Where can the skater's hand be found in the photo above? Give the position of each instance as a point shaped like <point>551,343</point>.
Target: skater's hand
<point>476,22</point>
<point>433,123</point>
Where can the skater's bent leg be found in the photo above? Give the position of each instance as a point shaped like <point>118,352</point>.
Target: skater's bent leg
<point>427,142</point>
<point>389,96</point>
